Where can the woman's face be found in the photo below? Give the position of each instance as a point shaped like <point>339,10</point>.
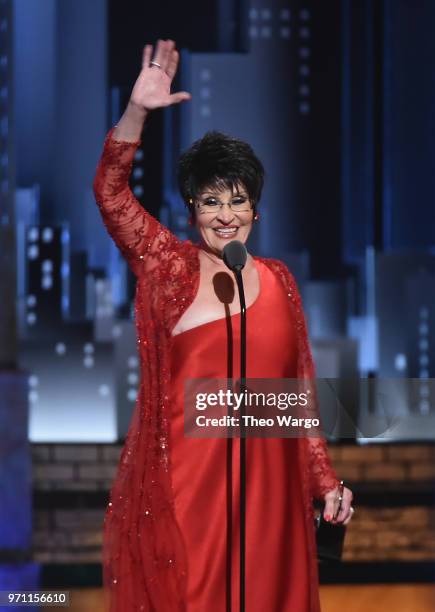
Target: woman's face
<point>218,225</point>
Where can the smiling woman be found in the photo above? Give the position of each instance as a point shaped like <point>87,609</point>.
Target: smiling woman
<point>212,219</point>
<point>171,526</point>
<point>216,171</point>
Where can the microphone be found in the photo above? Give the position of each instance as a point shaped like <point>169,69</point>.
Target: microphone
<point>235,255</point>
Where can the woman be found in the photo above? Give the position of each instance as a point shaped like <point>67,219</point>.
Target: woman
<point>170,543</point>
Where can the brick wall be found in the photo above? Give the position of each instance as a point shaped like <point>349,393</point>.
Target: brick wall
<point>391,463</point>
<point>391,534</point>
<point>393,487</point>
<point>71,487</point>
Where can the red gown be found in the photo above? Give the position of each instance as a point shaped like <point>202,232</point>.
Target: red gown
<point>276,544</point>
<point>158,553</point>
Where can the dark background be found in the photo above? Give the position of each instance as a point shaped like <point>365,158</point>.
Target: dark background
<point>337,100</point>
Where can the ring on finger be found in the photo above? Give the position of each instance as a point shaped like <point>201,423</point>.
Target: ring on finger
<point>153,63</point>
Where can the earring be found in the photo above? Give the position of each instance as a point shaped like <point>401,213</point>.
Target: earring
<point>256,217</point>
<point>190,220</point>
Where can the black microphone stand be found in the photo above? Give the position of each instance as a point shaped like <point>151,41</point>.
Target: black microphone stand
<point>235,256</point>
<point>239,280</point>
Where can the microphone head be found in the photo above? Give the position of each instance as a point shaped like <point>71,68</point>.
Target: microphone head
<point>235,255</point>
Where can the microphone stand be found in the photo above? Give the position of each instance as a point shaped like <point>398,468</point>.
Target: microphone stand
<point>239,280</point>
<point>235,255</point>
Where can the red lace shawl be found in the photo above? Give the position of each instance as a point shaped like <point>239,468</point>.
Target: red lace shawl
<point>144,563</point>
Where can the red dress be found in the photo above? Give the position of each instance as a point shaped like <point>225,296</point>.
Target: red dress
<point>276,542</point>
<point>150,536</point>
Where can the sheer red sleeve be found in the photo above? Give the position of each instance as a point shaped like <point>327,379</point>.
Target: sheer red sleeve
<point>323,477</point>
<point>319,471</point>
<point>140,237</point>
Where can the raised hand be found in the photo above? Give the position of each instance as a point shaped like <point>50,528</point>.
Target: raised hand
<point>152,90</point>
<point>153,86</point>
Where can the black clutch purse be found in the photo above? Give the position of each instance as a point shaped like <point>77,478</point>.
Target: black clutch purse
<point>330,540</point>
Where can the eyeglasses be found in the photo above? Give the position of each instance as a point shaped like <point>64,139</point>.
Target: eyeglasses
<point>210,204</point>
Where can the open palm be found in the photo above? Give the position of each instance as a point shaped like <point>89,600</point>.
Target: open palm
<point>153,85</point>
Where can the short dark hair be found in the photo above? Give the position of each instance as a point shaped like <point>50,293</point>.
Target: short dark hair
<point>220,161</point>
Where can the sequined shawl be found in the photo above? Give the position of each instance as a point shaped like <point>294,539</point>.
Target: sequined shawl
<point>144,561</point>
